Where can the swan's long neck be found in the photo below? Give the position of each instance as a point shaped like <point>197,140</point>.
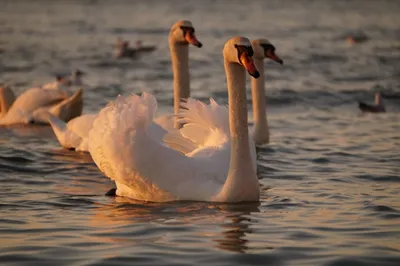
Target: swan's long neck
<point>7,98</point>
<point>76,80</point>
<point>180,69</point>
<point>261,130</point>
<point>242,183</point>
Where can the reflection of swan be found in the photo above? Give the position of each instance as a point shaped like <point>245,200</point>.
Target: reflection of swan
<point>377,108</point>
<point>145,169</point>
<point>262,49</point>
<point>227,227</point>
<point>33,105</point>
<point>74,134</point>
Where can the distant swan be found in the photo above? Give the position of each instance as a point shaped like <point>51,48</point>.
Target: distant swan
<point>262,49</point>
<point>63,82</point>
<point>33,106</point>
<point>369,108</point>
<point>124,51</point>
<point>74,134</point>
<point>145,169</point>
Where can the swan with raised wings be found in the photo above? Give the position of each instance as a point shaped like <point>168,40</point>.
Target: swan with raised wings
<point>262,49</point>
<point>74,134</point>
<point>146,169</point>
<point>33,105</point>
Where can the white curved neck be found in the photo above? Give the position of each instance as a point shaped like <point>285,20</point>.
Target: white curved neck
<point>261,129</point>
<point>180,68</point>
<point>7,98</point>
<point>242,183</point>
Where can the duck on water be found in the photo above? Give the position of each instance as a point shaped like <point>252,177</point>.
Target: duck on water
<point>377,107</point>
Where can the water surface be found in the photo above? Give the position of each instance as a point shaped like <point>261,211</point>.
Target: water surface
<point>330,177</point>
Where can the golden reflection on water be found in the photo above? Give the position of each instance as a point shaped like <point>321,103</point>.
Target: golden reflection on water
<point>227,226</point>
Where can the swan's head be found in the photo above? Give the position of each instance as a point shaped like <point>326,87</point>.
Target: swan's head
<point>78,73</point>
<point>238,50</point>
<point>183,32</point>
<point>264,49</point>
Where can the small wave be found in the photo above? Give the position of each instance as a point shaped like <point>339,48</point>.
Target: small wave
<point>375,178</point>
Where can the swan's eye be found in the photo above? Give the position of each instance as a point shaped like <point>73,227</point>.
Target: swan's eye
<point>187,30</point>
<point>268,48</point>
<point>245,58</point>
<point>190,37</point>
<point>269,52</point>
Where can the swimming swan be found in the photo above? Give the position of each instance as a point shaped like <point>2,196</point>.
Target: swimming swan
<point>64,83</point>
<point>33,105</point>
<point>262,49</point>
<point>145,169</point>
<point>378,106</point>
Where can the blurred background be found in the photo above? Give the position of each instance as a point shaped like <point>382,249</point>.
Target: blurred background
<point>323,67</point>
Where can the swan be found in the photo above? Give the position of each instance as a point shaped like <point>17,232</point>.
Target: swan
<point>64,82</point>
<point>262,49</point>
<point>123,50</point>
<point>33,105</point>
<point>260,132</point>
<point>74,134</point>
<point>145,169</point>
<point>377,108</point>
<point>181,34</point>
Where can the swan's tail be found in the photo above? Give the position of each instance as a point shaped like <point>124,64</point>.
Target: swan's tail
<point>65,137</point>
<point>70,107</point>
<point>115,127</point>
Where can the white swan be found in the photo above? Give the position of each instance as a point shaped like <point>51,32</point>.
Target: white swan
<point>33,105</point>
<point>63,83</point>
<point>180,35</point>
<point>262,49</point>
<point>145,169</point>
<point>74,134</point>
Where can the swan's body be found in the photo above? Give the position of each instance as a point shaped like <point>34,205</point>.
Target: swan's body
<point>124,51</point>
<point>149,170</point>
<point>181,35</point>
<point>262,49</point>
<point>378,106</point>
<point>33,106</point>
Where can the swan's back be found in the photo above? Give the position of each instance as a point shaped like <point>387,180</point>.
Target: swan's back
<point>82,125</point>
<point>35,98</point>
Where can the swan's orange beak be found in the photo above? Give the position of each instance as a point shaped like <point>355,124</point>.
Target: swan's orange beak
<point>271,55</point>
<point>190,37</point>
<point>248,63</point>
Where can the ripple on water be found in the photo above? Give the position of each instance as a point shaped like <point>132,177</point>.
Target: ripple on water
<point>329,178</point>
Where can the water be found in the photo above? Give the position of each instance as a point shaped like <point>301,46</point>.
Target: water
<point>330,177</point>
